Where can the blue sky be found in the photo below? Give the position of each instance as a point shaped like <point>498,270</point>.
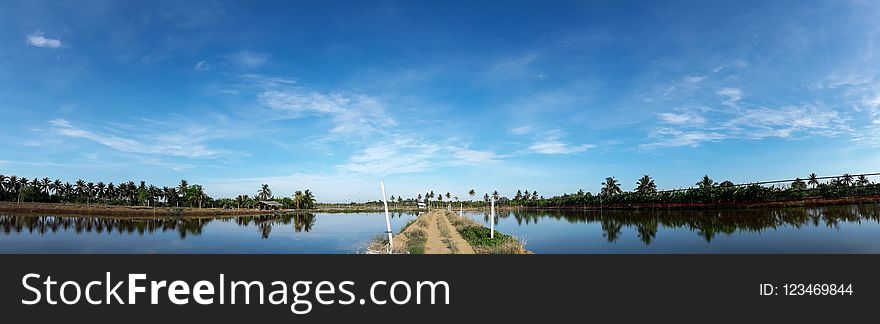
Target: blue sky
<point>334,96</point>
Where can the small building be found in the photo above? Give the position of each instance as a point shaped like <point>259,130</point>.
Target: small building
<point>270,205</point>
<point>421,205</point>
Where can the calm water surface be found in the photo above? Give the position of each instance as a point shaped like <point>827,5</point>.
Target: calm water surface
<point>835,229</point>
<point>299,233</point>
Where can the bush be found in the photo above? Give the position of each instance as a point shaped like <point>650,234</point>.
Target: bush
<point>479,236</point>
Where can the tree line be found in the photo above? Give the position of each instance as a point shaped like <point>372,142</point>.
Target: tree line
<point>22,189</point>
<point>645,192</point>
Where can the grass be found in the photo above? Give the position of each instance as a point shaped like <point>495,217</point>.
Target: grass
<point>410,240</point>
<point>478,236</point>
<point>447,238</point>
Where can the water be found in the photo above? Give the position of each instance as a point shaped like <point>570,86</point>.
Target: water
<point>835,229</point>
<point>300,233</point>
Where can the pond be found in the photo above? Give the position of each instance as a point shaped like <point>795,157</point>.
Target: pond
<point>294,233</point>
<point>833,229</point>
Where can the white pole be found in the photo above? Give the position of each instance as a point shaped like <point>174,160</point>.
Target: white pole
<point>492,220</point>
<point>460,209</point>
<point>387,218</point>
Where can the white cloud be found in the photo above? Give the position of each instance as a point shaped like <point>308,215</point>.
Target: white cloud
<point>670,137</point>
<point>392,157</point>
<point>733,95</point>
<point>695,79</point>
<point>682,118</point>
<point>304,101</point>
<point>351,114</point>
<point>179,145</point>
<point>748,123</point>
<point>203,66</point>
<point>522,130</point>
<point>474,156</point>
<point>410,154</point>
<point>558,147</point>
<point>37,39</point>
<point>248,59</point>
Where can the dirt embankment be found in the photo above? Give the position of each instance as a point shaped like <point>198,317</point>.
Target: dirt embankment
<point>122,211</point>
<point>436,236</point>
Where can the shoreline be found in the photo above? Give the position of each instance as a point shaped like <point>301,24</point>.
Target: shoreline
<point>124,211</point>
<point>162,212</point>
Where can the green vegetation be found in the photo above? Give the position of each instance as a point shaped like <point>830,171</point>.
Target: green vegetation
<point>708,192</point>
<point>478,236</point>
<point>22,189</point>
<point>411,240</point>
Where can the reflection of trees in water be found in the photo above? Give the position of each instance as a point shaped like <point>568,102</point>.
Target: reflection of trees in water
<point>706,223</point>
<point>302,222</point>
<point>45,224</point>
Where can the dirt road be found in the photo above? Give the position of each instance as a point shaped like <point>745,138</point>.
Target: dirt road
<point>442,238</point>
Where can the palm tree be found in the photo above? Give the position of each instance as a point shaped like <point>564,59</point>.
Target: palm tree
<point>646,185</point>
<point>472,192</point>
<point>309,199</point>
<point>814,180</point>
<point>486,197</point>
<point>847,179</point>
<point>37,185</point>
<point>100,187</point>
<point>611,187</point>
<point>45,184</point>
<point>706,182</point>
<point>298,199</point>
<point>448,196</point>
<point>90,191</point>
<point>495,195</point>
<point>264,193</point>
<point>68,190</point>
<point>863,180</point>
<point>181,189</point>
<point>80,188</point>
<point>56,186</point>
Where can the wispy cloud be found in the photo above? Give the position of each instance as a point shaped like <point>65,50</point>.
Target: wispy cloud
<point>681,118</point>
<point>670,137</point>
<point>688,129</point>
<point>558,147</point>
<point>203,66</point>
<point>248,59</point>
<point>37,39</point>
<point>521,130</point>
<point>469,156</point>
<point>408,154</point>
<point>392,157</point>
<point>517,66</point>
<point>350,113</point>
<point>183,145</point>
<point>732,95</point>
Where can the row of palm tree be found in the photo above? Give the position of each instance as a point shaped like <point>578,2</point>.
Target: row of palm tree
<point>707,190</point>
<point>22,189</point>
